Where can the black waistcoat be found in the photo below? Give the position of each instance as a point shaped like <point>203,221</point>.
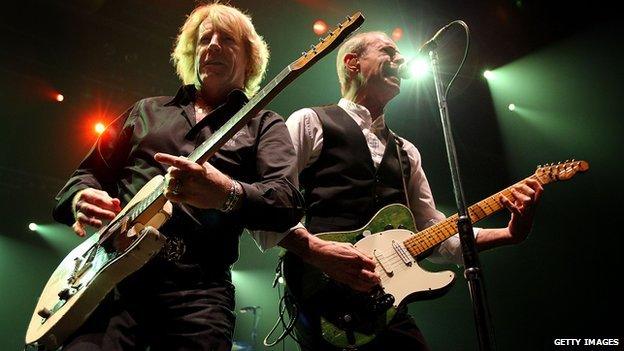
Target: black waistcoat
<point>343,189</point>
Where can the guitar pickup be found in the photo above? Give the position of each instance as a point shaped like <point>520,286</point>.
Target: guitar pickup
<point>379,258</point>
<point>405,256</point>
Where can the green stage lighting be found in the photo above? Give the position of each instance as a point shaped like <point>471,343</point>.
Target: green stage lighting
<point>419,68</point>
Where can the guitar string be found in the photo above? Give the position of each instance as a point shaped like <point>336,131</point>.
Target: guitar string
<point>390,260</point>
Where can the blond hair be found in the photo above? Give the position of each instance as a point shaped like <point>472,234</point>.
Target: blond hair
<point>357,44</point>
<point>230,19</point>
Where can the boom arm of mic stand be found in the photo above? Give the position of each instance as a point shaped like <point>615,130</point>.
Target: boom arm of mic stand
<point>472,270</point>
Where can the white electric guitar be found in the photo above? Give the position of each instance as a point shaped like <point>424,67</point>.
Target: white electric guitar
<point>350,319</point>
<point>93,268</point>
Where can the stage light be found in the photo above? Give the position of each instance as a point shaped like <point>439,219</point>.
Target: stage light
<point>100,127</point>
<point>419,68</point>
<point>320,27</point>
<point>33,227</point>
<point>60,97</point>
<point>488,74</point>
<point>397,34</point>
<point>511,107</point>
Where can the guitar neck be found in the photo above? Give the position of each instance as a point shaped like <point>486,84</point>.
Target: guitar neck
<point>426,239</point>
<point>209,147</point>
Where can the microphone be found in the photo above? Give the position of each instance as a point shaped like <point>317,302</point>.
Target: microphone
<point>404,71</point>
<point>249,309</point>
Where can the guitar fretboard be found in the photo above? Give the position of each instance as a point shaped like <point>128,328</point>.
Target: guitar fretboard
<point>227,131</point>
<point>426,239</point>
<point>255,104</point>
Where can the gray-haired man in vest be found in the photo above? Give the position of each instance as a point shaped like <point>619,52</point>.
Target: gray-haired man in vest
<point>350,167</point>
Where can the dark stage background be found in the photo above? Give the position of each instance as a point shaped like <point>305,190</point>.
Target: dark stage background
<point>560,63</point>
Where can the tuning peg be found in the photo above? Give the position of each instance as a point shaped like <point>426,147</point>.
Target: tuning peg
<point>303,53</point>
<point>348,18</point>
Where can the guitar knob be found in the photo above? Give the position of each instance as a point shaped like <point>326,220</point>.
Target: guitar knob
<point>44,313</point>
<point>389,300</point>
<point>347,318</point>
<point>64,294</point>
<point>383,303</point>
<point>388,226</point>
<point>67,293</point>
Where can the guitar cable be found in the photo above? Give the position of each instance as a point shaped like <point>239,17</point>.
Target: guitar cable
<point>283,300</point>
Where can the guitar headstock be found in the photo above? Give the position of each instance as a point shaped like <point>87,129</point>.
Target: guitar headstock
<point>328,43</point>
<point>560,171</point>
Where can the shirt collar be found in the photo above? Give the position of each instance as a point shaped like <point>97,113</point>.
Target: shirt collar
<point>188,94</point>
<point>185,98</point>
<point>185,95</point>
<point>362,115</point>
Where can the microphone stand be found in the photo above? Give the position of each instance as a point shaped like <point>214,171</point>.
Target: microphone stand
<point>254,331</point>
<point>472,271</point>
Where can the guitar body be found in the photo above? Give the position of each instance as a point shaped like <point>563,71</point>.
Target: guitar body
<point>349,318</point>
<point>91,270</point>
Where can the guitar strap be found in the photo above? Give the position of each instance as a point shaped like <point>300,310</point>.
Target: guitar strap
<point>398,143</point>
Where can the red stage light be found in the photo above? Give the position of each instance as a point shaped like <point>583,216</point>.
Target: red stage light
<point>100,127</point>
<point>320,27</point>
<point>397,34</point>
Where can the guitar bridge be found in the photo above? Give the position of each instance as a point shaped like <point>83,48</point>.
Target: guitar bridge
<point>82,264</point>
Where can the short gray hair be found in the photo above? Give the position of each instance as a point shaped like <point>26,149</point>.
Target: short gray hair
<point>357,44</point>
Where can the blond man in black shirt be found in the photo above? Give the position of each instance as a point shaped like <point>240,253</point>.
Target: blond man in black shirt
<point>186,301</point>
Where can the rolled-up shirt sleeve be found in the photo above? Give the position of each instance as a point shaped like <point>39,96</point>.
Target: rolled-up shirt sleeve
<point>273,203</point>
<point>449,251</point>
<point>425,212</point>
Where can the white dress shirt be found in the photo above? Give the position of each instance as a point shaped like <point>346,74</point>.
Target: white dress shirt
<point>306,133</point>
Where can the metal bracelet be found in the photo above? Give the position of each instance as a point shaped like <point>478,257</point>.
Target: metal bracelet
<point>232,197</point>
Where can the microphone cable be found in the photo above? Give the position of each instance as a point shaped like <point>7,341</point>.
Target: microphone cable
<point>461,64</point>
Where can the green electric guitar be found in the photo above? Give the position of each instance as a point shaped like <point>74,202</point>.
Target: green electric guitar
<point>349,318</point>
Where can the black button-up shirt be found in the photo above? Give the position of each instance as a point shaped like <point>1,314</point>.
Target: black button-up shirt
<point>260,156</point>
